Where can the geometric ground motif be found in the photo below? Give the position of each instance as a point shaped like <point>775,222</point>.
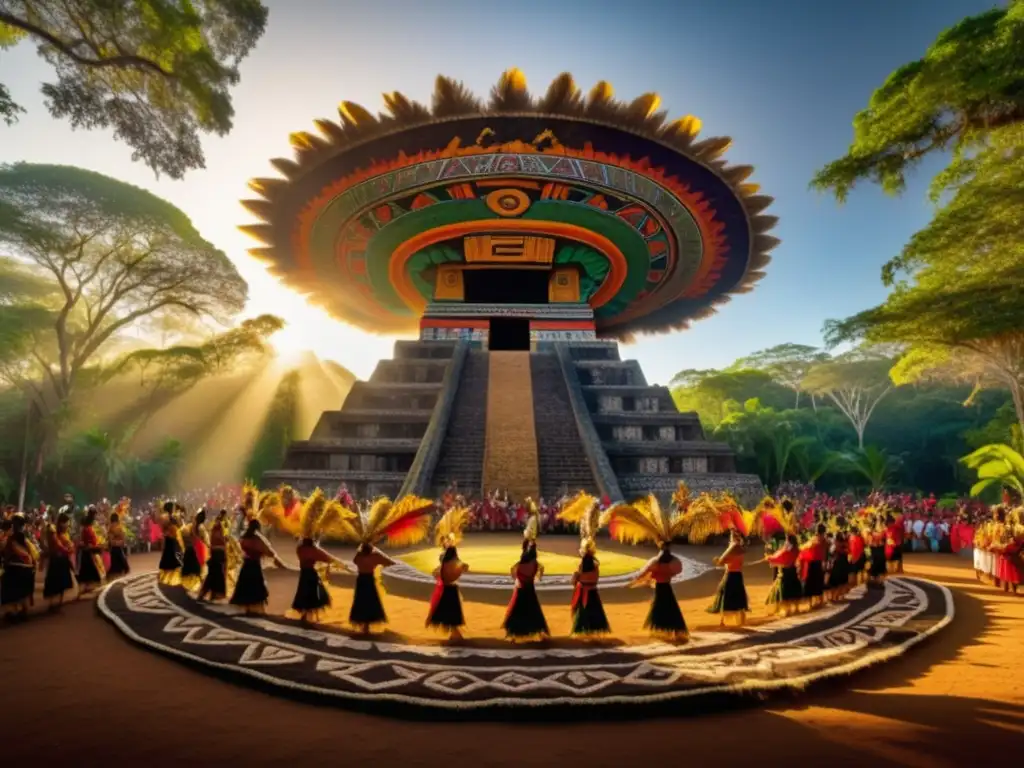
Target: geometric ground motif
<point>285,657</point>
<point>550,583</point>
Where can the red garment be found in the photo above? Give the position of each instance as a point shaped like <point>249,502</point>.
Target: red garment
<point>814,552</point>
<point>293,508</point>
<point>1008,567</point>
<point>856,543</point>
<point>89,538</point>
<point>784,558</point>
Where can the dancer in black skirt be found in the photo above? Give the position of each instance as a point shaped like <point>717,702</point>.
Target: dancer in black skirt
<point>60,574</point>
<point>524,618</point>
<point>196,541</point>
<point>18,582</point>
<point>215,585</point>
<point>446,603</point>
<point>367,610</point>
<point>91,572</point>
<point>731,599</point>
<point>857,555</point>
<point>173,546</point>
<point>251,588</point>
<point>588,616</point>
<point>665,617</point>
<point>812,559</point>
<point>786,591</point>
<point>839,572</point>
<point>117,540</point>
<point>311,595</point>
<point>879,566</point>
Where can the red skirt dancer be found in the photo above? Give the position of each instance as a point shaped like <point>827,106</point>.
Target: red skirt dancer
<point>1009,566</point>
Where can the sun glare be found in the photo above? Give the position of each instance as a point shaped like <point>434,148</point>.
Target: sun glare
<point>289,345</point>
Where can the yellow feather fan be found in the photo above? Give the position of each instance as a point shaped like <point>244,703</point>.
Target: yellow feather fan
<point>448,531</point>
<point>250,499</point>
<point>577,508</point>
<point>407,522</point>
<point>681,496</point>
<point>702,520</point>
<point>641,521</point>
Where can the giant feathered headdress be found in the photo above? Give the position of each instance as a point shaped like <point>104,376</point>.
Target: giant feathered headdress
<point>583,510</point>
<point>448,531</point>
<point>644,521</point>
<point>401,523</point>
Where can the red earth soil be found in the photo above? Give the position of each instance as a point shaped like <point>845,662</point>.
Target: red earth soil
<point>77,693</point>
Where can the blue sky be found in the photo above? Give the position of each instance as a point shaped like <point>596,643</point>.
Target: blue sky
<point>783,78</point>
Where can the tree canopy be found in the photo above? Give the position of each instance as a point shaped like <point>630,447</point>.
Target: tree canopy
<point>95,257</point>
<point>157,72</point>
<point>969,82</point>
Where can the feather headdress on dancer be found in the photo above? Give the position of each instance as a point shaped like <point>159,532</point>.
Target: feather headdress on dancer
<point>585,511</point>
<point>250,501</point>
<point>532,529</point>
<point>681,497</point>
<point>644,520</point>
<point>400,524</point>
<point>448,531</point>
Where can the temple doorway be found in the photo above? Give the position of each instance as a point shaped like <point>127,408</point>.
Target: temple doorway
<point>509,334</point>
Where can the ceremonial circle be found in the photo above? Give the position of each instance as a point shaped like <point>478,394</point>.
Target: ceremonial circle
<point>285,658</point>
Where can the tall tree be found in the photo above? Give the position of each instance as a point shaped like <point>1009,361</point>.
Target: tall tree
<point>787,364</point>
<point>113,255</point>
<point>969,83</point>
<point>158,72</point>
<point>709,391</point>
<point>855,383</point>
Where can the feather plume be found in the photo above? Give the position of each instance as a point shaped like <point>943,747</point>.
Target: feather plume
<point>510,94</point>
<point>576,508</point>
<point>631,525</point>
<point>407,522</point>
<point>681,496</point>
<point>701,521</point>
<point>250,498</point>
<point>452,98</point>
<point>380,509</point>
<point>562,98</point>
<point>340,523</point>
<point>405,111</point>
<point>448,531</point>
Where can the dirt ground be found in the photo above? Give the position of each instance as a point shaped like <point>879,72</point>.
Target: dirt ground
<point>75,692</point>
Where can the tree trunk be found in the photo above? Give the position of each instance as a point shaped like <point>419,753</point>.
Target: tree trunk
<point>23,480</point>
<point>797,404</point>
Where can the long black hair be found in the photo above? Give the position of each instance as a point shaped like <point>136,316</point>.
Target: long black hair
<point>252,529</point>
<point>450,553</point>
<point>588,563</point>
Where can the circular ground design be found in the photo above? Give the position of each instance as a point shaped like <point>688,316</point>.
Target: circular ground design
<point>868,627</point>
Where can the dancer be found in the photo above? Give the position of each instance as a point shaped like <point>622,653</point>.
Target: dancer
<point>524,618</point>
<point>812,563</point>
<point>91,572</point>
<point>731,599</point>
<point>117,540</point>
<point>876,540</point>
<point>588,616</point>
<point>1009,567</point>
<point>645,521</point>
<point>312,596</point>
<point>446,603</point>
<point>173,547</point>
<point>251,588</point>
<point>402,524</point>
<point>196,544</point>
<point>60,574</point>
<point>839,573</point>
<point>894,535</point>
<point>215,585</point>
<point>18,582</point>
<point>857,555</point>
<point>786,591</point>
